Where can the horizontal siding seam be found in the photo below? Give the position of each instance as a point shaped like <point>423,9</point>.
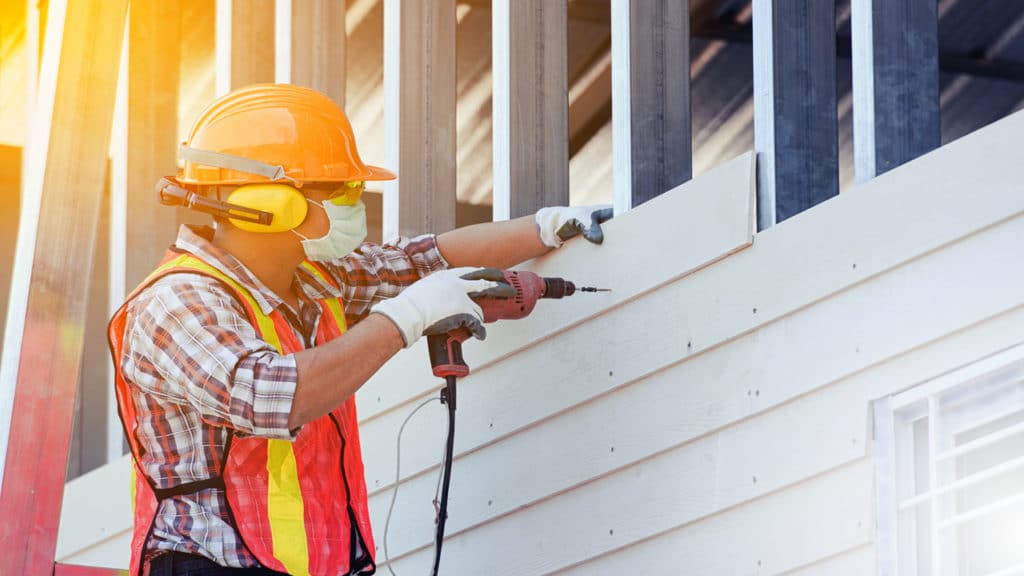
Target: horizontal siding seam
<point>745,418</point>
<point>720,512</point>
<point>728,340</point>
<point>837,555</point>
<point>713,432</point>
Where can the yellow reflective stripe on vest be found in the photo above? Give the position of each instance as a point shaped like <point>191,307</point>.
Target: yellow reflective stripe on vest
<point>285,507</point>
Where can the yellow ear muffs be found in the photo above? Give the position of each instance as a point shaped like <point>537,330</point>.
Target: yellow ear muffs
<point>286,203</point>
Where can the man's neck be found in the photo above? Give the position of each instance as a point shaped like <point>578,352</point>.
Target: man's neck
<point>267,257</point>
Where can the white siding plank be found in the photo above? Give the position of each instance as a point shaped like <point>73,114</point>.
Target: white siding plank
<point>857,562</point>
<point>850,238</point>
<point>760,455</point>
<point>787,444</point>
<point>110,553</point>
<point>89,524</point>
<point>756,372</point>
<point>723,199</point>
<point>644,504</point>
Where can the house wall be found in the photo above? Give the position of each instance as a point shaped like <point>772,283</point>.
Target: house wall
<point>711,414</point>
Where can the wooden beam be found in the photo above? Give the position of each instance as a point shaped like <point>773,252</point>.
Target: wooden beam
<point>795,118</point>
<point>651,98</point>
<point>245,43</point>
<point>144,146</point>
<point>63,194</point>
<point>24,16</point>
<point>10,191</point>
<point>531,150</point>
<point>895,83</point>
<point>97,437</point>
<point>419,115</point>
<point>14,67</point>
<point>198,55</point>
<point>310,44</point>
<point>152,133</point>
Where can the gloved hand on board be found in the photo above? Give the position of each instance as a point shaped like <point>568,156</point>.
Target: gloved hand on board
<point>557,224</point>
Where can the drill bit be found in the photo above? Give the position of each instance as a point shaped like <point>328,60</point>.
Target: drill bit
<point>592,289</point>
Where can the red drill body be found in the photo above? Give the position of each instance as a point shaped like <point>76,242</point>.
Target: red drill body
<point>529,288</point>
<point>445,349</point>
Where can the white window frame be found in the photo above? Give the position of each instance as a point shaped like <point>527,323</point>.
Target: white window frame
<point>896,449</point>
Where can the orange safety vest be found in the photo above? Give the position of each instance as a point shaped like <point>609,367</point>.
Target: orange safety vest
<point>294,504</point>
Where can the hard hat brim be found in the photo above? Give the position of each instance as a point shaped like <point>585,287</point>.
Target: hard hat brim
<point>378,173</point>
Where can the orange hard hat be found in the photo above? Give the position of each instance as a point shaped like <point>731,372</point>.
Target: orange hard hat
<point>273,132</point>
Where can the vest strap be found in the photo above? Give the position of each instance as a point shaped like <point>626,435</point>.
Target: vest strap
<point>189,488</point>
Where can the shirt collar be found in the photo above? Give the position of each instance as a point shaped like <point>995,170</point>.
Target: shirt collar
<point>314,287</point>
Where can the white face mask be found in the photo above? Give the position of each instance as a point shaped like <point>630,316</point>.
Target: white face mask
<point>347,232</point>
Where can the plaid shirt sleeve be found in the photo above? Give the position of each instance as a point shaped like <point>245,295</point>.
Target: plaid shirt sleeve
<point>376,272</point>
<point>189,341</point>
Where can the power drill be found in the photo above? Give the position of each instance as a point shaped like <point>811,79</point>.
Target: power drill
<point>446,349</point>
<point>447,362</point>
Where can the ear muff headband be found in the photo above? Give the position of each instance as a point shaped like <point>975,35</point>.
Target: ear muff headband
<point>287,205</point>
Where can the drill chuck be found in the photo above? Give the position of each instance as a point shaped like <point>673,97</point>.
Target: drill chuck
<point>558,288</point>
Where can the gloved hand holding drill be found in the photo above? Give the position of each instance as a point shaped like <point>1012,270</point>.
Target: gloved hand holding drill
<point>443,302</point>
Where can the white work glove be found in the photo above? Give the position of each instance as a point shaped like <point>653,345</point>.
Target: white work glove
<point>442,302</point>
<point>557,224</point>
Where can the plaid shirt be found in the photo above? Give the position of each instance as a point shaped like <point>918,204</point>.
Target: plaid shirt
<point>195,367</point>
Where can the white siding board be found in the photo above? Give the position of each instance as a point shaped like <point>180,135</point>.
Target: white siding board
<point>757,456</point>
<point>96,531</point>
<point>857,562</point>
<point>776,533</point>
<point>724,199</point>
<point>793,440</point>
<point>866,324</point>
<point>843,241</point>
<point>112,552</point>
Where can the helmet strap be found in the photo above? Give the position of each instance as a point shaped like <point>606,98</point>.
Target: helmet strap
<point>237,163</point>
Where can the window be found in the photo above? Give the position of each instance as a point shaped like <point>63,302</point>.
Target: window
<point>950,455</point>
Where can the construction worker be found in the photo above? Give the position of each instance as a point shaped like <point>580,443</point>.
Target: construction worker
<point>238,358</point>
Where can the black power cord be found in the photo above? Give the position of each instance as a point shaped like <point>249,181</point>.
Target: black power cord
<point>448,399</point>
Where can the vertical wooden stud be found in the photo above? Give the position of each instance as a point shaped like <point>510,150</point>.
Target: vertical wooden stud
<point>245,43</point>
<point>310,44</point>
<point>895,83</point>
<point>651,126</point>
<point>67,172</point>
<point>531,150</point>
<point>23,14</point>
<point>145,142</point>
<point>795,118</point>
<point>419,116</point>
